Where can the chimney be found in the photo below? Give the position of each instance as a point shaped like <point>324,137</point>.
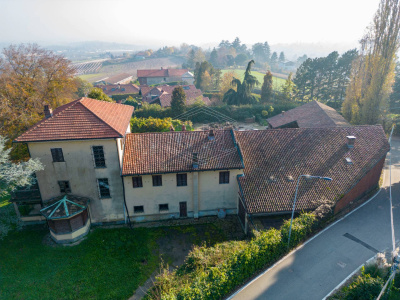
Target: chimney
<point>283,112</point>
<point>48,112</point>
<point>350,141</point>
<point>211,135</point>
<point>183,127</point>
<point>195,161</point>
<point>119,86</point>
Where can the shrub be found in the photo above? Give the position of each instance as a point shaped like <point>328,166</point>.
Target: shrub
<point>212,272</point>
<point>157,125</point>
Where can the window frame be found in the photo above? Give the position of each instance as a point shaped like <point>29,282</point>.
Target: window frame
<point>138,178</point>
<point>224,177</point>
<point>138,209</point>
<point>57,154</point>
<point>64,185</point>
<point>157,180</point>
<point>180,181</point>
<point>165,209</point>
<point>97,159</point>
<point>99,186</point>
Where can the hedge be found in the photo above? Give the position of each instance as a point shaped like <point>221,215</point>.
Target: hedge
<point>157,125</point>
<point>117,97</point>
<point>238,113</point>
<point>213,272</point>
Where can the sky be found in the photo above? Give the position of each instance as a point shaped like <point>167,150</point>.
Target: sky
<point>172,22</point>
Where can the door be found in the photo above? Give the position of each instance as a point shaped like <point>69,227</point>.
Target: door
<point>182,209</point>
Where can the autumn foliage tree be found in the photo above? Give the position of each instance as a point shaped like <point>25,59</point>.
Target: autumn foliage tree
<point>372,73</point>
<point>30,77</point>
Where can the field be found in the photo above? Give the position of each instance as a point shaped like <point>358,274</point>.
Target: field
<point>276,81</point>
<point>108,70</point>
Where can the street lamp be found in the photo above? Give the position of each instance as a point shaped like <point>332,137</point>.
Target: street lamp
<point>295,198</point>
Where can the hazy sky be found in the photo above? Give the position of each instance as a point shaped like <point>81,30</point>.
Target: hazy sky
<point>172,22</point>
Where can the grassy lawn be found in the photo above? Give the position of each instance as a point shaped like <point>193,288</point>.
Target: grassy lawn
<point>110,264</point>
<point>277,82</point>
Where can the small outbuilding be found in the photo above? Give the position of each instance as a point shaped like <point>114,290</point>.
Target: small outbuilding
<point>68,218</point>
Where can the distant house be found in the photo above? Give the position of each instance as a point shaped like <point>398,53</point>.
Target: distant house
<point>287,66</point>
<point>120,89</point>
<point>122,78</point>
<point>313,114</point>
<point>156,76</point>
<point>162,95</point>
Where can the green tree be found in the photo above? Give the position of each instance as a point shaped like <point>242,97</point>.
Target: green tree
<point>178,101</point>
<point>214,57</point>
<point>240,59</point>
<point>97,93</point>
<point>373,71</point>
<point>282,58</point>
<point>288,89</point>
<point>83,87</point>
<point>266,89</point>
<point>242,94</point>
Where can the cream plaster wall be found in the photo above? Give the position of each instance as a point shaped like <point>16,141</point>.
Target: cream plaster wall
<point>71,236</point>
<point>82,175</point>
<point>211,194</point>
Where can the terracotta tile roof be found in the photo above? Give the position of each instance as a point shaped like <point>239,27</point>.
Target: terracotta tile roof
<point>170,152</point>
<point>270,156</point>
<point>120,89</point>
<point>161,72</point>
<point>165,94</point>
<point>84,118</point>
<point>312,114</point>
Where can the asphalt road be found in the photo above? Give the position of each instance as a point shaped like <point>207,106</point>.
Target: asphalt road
<point>316,269</point>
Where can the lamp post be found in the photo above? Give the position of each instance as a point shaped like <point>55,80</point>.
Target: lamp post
<point>295,198</point>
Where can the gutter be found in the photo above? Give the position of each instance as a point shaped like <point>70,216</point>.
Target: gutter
<point>123,184</point>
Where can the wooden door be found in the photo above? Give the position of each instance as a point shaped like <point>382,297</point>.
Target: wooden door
<point>182,209</point>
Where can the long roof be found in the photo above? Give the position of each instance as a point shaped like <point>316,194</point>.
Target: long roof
<point>313,114</point>
<point>275,158</point>
<point>84,118</point>
<point>161,72</point>
<point>171,152</point>
<point>120,89</point>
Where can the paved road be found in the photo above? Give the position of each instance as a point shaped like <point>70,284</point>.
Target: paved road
<point>317,268</point>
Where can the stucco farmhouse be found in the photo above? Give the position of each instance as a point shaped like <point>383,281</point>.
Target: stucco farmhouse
<point>88,151</point>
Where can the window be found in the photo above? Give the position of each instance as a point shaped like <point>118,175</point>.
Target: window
<point>64,187</point>
<point>181,179</point>
<point>98,155</point>
<point>223,177</point>
<point>163,207</point>
<point>104,188</point>
<point>138,209</point>
<point>157,180</point>
<point>137,181</point>
<point>57,154</point>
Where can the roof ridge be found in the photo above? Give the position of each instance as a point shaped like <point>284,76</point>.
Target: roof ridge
<point>98,117</point>
<point>44,120</point>
<point>324,111</point>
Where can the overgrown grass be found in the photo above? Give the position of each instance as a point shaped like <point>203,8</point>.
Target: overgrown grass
<point>213,272</point>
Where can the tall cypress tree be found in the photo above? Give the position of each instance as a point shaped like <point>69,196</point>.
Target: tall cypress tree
<point>178,101</point>
<point>266,89</point>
